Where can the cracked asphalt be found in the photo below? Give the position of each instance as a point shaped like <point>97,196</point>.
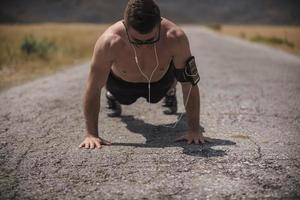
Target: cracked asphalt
<point>250,107</point>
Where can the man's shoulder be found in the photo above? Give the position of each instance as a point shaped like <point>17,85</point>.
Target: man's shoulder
<point>173,31</point>
<point>175,36</point>
<point>111,38</point>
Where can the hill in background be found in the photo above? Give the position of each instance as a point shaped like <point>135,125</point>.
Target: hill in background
<point>182,11</point>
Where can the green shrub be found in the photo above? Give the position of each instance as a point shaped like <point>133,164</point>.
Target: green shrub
<point>33,46</point>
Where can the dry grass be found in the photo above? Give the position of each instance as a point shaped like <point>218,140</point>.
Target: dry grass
<point>283,37</point>
<point>73,43</point>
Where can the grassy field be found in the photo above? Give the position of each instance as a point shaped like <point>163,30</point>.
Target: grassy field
<point>30,51</point>
<point>286,38</point>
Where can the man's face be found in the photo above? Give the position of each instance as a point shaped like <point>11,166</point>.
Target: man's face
<point>137,38</point>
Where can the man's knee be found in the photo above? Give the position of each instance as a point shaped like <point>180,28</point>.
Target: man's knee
<point>123,100</point>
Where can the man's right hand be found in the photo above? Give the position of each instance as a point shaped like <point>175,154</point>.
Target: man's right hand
<point>91,142</point>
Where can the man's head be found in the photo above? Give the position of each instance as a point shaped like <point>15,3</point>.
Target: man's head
<point>142,15</point>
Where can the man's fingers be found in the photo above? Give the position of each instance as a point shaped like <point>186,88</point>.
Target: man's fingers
<point>196,139</point>
<point>98,145</point>
<point>92,145</point>
<point>87,145</point>
<point>202,140</point>
<point>81,145</point>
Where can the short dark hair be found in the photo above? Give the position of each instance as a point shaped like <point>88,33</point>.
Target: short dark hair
<point>142,15</point>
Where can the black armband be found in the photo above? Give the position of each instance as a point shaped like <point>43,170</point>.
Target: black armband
<point>189,73</point>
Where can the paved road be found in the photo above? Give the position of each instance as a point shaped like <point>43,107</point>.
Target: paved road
<point>250,106</point>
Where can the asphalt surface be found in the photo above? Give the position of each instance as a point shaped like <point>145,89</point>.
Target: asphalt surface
<point>250,107</point>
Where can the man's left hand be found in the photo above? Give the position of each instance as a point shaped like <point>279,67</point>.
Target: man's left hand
<point>193,136</point>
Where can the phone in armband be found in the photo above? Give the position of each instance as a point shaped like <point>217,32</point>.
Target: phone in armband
<point>191,71</point>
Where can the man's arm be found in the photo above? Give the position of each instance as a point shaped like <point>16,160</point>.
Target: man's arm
<point>191,94</point>
<point>99,70</point>
<point>192,106</point>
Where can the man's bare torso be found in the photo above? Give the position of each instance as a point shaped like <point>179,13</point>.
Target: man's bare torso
<point>123,64</point>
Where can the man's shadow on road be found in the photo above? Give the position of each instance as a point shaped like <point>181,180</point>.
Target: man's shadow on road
<point>160,136</point>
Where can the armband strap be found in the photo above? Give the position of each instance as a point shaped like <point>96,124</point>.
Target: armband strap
<point>189,73</point>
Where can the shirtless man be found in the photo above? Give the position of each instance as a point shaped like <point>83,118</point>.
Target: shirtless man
<point>142,48</point>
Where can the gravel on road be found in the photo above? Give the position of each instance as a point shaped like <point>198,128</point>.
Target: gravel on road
<point>250,107</point>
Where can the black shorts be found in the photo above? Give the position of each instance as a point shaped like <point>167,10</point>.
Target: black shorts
<point>127,93</point>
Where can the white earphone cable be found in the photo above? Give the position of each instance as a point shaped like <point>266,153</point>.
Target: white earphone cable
<point>149,82</point>
<point>181,115</point>
<point>143,74</point>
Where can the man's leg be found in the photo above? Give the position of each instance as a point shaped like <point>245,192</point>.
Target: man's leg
<point>113,106</point>
<point>170,101</point>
